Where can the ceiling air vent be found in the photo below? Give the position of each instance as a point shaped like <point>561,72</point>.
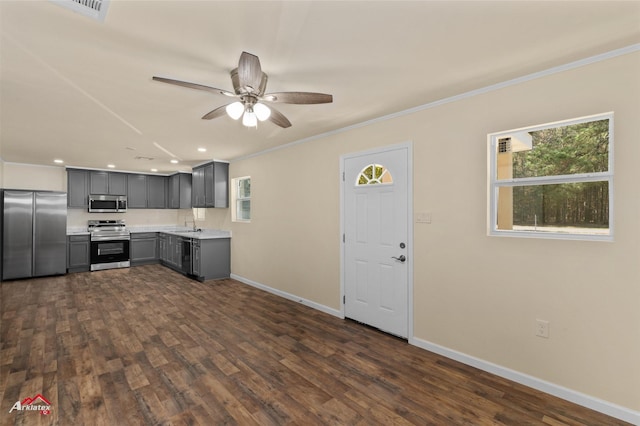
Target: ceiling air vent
<point>504,145</point>
<point>95,9</point>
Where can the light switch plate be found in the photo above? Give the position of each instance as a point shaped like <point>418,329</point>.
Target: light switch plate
<point>423,217</point>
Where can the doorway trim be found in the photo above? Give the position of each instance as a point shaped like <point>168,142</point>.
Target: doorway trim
<point>410,252</point>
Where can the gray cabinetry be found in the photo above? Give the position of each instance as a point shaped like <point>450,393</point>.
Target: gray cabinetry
<point>101,182</point>
<point>221,185</point>
<point>137,191</point>
<point>146,192</point>
<point>210,186</point>
<point>211,258</point>
<point>142,191</point>
<point>156,192</point>
<point>78,253</point>
<point>180,191</point>
<point>171,253</point>
<point>163,249</point>
<point>197,187</point>
<point>77,188</point>
<point>144,248</point>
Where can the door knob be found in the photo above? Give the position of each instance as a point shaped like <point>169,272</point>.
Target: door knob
<point>401,258</point>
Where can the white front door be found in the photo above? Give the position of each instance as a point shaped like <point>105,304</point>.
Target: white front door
<point>376,230</point>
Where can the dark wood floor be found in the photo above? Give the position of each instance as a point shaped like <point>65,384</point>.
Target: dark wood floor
<point>147,346</point>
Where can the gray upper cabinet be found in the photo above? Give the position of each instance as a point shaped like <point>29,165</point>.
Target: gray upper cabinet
<point>146,192</point>
<point>210,187</point>
<point>142,191</point>
<point>156,192</point>
<point>221,184</point>
<point>197,187</point>
<point>108,183</point>
<point>77,188</point>
<point>180,191</point>
<point>137,192</point>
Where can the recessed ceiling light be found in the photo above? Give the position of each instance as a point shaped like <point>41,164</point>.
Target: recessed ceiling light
<point>174,161</point>
<point>58,161</point>
<point>154,170</point>
<point>111,166</point>
<point>202,149</point>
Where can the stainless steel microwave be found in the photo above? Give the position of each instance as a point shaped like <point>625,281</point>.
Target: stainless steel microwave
<point>107,203</point>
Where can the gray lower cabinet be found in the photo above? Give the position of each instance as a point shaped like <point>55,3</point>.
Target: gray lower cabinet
<point>171,251</point>
<point>163,249</point>
<point>144,248</point>
<point>78,253</point>
<point>211,258</point>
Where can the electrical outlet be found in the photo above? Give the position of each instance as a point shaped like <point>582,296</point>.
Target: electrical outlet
<point>542,328</point>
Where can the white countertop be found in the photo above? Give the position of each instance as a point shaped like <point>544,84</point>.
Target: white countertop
<point>182,231</point>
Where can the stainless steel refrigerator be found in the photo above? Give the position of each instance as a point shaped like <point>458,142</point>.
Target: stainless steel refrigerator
<point>34,233</point>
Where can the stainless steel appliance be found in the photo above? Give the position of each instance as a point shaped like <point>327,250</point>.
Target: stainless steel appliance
<point>110,241</point>
<point>34,233</point>
<point>107,203</point>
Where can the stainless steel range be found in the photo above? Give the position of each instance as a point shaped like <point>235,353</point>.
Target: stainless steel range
<point>109,244</point>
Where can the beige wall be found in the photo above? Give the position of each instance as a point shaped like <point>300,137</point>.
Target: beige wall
<point>25,176</point>
<point>588,291</point>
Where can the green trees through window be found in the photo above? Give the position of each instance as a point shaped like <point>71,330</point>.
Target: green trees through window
<point>576,149</point>
<point>553,179</point>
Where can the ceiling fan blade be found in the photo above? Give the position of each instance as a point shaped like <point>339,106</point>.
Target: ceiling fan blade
<point>194,86</point>
<point>218,112</point>
<point>278,118</point>
<point>249,72</point>
<point>298,98</point>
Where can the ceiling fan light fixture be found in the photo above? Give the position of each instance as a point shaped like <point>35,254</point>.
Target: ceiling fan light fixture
<point>235,110</point>
<point>262,111</point>
<point>249,118</point>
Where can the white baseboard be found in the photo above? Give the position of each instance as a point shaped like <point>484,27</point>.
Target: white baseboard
<point>289,296</point>
<point>587,401</point>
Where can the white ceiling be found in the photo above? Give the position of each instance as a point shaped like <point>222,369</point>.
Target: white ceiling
<point>81,90</point>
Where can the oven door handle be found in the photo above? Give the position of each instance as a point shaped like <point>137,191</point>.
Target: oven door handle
<point>111,238</point>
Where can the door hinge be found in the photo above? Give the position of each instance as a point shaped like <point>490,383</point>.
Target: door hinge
<point>344,299</point>
<point>343,176</point>
<point>343,240</point>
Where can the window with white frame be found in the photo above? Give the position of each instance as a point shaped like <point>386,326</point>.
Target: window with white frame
<point>242,196</point>
<point>553,180</point>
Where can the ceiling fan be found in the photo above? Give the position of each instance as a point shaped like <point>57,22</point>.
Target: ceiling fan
<point>249,84</point>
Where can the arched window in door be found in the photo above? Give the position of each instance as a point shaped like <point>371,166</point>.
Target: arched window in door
<point>374,174</point>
